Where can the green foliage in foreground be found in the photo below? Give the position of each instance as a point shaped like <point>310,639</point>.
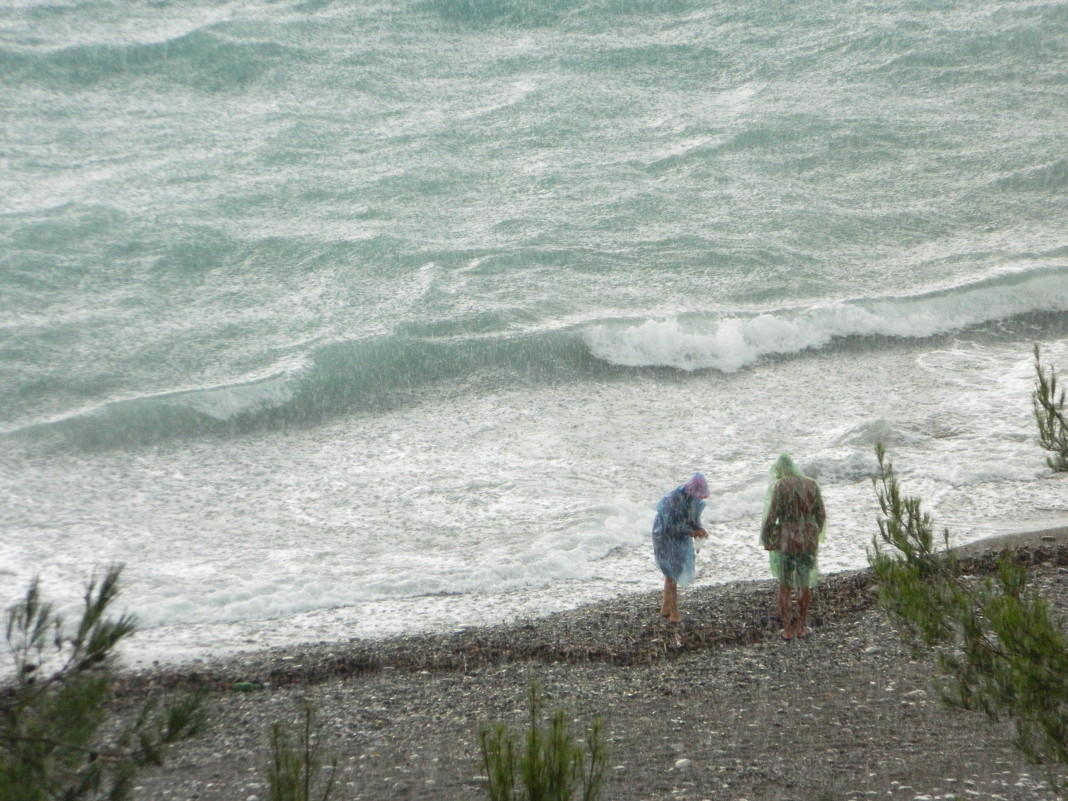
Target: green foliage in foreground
<point>996,645</point>
<point>549,765</point>
<point>1049,414</point>
<point>294,772</point>
<point>52,722</point>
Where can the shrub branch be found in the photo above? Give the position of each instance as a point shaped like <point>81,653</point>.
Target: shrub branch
<point>1049,415</point>
<point>996,645</point>
<point>52,741</point>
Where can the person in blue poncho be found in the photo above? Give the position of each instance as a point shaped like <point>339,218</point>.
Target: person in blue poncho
<point>791,531</point>
<point>678,521</point>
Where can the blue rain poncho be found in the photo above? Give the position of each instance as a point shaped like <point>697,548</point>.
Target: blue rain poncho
<point>678,515</point>
<point>793,525</point>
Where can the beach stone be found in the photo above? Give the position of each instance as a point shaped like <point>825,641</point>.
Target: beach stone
<point>683,765</point>
<point>873,649</point>
<point>432,716</point>
<point>915,695</point>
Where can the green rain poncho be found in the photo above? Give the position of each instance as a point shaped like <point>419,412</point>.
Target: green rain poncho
<point>793,525</point>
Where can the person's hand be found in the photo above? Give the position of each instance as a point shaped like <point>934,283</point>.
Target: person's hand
<point>700,534</point>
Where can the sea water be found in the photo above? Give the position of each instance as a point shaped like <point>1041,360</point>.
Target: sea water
<point>338,320</point>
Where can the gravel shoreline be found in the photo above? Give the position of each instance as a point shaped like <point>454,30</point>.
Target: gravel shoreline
<point>716,708</point>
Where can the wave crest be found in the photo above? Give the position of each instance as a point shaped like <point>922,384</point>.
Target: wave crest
<point>200,59</point>
<point>381,373</point>
<point>697,342</point>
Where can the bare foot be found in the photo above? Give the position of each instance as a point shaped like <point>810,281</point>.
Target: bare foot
<point>805,631</point>
<point>674,617</point>
<point>786,635</point>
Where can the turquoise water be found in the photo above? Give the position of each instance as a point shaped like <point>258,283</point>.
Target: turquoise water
<point>339,319</point>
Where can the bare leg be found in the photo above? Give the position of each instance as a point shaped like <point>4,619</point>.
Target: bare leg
<point>802,611</point>
<point>786,610</point>
<point>670,607</point>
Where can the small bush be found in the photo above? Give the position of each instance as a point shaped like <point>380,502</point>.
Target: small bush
<point>551,766</point>
<point>52,744</point>
<point>1049,414</point>
<point>997,647</point>
<point>294,772</point>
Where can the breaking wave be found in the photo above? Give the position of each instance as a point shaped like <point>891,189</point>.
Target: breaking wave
<point>705,342</point>
<point>405,367</point>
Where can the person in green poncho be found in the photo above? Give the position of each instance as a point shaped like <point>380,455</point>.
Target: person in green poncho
<point>791,531</point>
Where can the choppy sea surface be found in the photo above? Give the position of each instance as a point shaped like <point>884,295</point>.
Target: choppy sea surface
<point>348,319</point>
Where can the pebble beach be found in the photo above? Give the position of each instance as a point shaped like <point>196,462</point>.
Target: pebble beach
<point>718,707</point>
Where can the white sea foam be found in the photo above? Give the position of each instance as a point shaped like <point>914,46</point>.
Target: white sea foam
<point>226,403</point>
<point>730,343</point>
<point>737,503</point>
<point>435,206</point>
<point>255,392</point>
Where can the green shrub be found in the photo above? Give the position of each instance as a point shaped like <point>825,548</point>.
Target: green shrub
<point>294,772</point>
<point>996,645</point>
<point>551,766</point>
<point>1049,414</point>
<point>54,709</point>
